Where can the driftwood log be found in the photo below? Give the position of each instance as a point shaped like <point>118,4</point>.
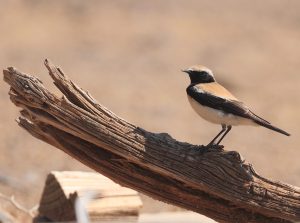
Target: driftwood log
<point>213,182</point>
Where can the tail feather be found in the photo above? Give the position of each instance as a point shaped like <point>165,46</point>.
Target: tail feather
<point>268,125</point>
<point>259,118</point>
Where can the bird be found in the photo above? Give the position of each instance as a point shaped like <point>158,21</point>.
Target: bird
<point>216,104</point>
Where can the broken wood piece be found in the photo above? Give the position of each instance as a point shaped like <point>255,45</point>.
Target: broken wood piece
<point>110,200</point>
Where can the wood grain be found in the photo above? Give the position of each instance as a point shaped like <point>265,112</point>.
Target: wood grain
<point>213,182</point>
<point>109,201</point>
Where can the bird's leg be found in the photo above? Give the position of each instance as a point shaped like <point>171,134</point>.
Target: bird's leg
<point>214,139</point>
<point>228,129</point>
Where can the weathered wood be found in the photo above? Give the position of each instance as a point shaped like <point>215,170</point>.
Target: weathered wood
<point>111,201</point>
<point>174,217</point>
<point>216,183</point>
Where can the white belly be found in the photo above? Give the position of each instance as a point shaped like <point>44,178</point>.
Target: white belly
<point>217,116</point>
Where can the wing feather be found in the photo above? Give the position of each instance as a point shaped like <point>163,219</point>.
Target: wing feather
<point>207,98</point>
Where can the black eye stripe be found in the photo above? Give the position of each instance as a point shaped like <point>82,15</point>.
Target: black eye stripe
<point>201,77</point>
<point>199,72</point>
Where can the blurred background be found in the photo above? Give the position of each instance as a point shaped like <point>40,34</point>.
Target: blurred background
<point>129,53</point>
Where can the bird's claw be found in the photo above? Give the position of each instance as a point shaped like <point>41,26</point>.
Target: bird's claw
<point>201,149</point>
<point>211,146</point>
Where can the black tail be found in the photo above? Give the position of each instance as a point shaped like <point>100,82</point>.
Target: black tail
<point>267,124</point>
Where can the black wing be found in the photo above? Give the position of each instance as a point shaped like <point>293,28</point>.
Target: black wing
<point>226,105</point>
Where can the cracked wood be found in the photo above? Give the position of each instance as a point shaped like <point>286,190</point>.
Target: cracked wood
<point>216,183</point>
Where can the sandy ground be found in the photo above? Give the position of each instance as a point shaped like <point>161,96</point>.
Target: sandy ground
<point>128,54</point>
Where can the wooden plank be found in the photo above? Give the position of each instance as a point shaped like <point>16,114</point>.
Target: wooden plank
<point>111,201</point>
<point>174,217</point>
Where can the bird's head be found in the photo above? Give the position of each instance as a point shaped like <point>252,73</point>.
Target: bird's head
<point>200,74</point>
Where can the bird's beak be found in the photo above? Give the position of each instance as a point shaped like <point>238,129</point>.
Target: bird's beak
<point>185,70</point>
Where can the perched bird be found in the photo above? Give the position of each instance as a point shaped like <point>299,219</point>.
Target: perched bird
<point>215,104</point>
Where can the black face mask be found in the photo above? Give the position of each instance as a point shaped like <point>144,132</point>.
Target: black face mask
<point>200,77</point>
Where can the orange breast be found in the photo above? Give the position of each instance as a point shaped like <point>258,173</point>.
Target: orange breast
<point>216,89</point>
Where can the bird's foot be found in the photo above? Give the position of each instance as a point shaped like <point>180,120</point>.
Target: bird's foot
<point>212,146</point>
<point>208,148</point>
